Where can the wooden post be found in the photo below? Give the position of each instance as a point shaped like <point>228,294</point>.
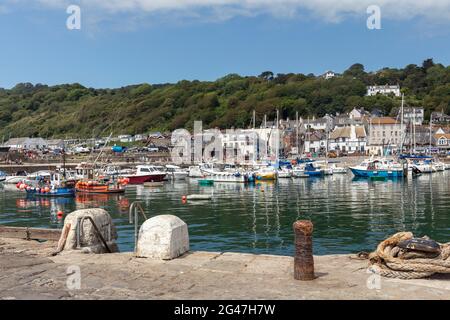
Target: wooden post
<point>303,260</point>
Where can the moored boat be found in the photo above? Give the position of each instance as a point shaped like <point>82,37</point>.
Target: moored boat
<point>379,168</point>
<point>266,173</point>
<point>146,173</point>
<point>176,173</point>
<point>19,176</point>
<point>53,185</point>
<point>101,186</point>
<point>313,171</point>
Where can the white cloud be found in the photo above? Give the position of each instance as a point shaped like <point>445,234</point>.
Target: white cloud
<point>327,10</point>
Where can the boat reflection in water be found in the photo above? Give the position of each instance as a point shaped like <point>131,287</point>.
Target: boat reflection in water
<point>89,200</point>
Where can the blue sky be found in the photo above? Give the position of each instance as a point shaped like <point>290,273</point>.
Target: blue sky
<point>158,42</point>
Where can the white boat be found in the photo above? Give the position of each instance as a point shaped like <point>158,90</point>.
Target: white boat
<point>195,172</point>
<point>299,172</point>
<point>227,176</point>
<point>439,166</point>
<point>284,173</point>
<point>339,170</point>
<point>176,173</point>
<point>40,175</point>
<point>2,176</point>
<point>146,173</point>
<point>19,176</point>
<point>194,197</point>
<point>327,169</point>
<point>447,166</point>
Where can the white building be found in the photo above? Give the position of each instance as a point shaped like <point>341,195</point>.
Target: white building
<point>384,90</point>
<point>315,142</point>
<point>414,115</point>
<point>316,124</point>
<point>329,75</point>
<point>358,114</point>
<point>55,144</point>
<point>348,139</point>
<point>241,145</point>
<point>126,138</point>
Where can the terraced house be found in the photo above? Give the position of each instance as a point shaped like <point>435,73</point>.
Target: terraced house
<point>350,139</point>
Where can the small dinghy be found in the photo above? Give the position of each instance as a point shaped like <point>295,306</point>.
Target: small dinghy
<point>194,197</point>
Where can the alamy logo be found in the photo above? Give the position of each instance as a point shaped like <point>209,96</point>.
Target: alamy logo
<point>73,281</point>
<point>374,20</point>
<point>74,20</point>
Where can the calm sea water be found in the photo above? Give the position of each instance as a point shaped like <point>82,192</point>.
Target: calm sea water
<point>349,215</point>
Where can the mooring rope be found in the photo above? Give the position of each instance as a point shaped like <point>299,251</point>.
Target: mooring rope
<point>390,260</point>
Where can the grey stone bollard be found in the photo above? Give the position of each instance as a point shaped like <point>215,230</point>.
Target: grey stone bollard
<point>163,237</point>
<point>80,233</point>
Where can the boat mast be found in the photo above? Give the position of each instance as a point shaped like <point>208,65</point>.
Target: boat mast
<point>414,131</point>
<point>431,131</point>
<point>401,125</point>
<point>64,159</point>
<point>297,132</point>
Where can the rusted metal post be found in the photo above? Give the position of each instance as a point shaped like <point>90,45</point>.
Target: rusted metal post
<point>303,260</point>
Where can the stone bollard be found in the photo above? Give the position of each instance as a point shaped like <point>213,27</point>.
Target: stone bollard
<point>80,233</point>
<point>163,237</point>
<point>304,260</point>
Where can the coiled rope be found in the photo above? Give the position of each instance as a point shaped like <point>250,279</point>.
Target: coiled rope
<point>389,260</point>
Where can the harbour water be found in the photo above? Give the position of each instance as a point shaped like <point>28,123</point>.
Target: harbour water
<point>349,215</point>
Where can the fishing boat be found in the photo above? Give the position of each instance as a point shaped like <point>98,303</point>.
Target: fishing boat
<point>176,173</point>
<point>49,186</point>
<point>379,168</point>
<point>101,186</point>
<point>146,173</point>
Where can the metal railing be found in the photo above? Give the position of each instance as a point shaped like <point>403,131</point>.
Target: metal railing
<point>80,222</point>
<point>135,209</point>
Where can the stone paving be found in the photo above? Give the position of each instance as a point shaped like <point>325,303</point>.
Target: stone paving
<point>28,271</point>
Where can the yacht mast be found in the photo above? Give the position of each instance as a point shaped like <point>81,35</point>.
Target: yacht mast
<point>431,130</point>
<point>297,132</point>
<point>401,125</point>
